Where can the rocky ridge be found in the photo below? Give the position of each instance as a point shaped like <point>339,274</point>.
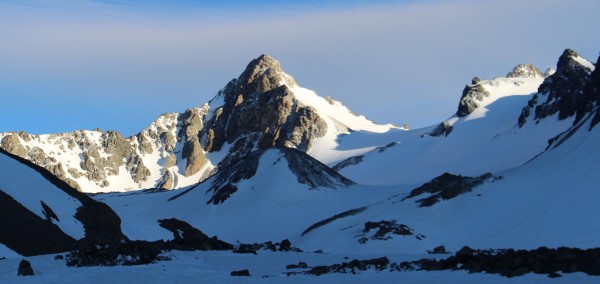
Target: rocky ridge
<point>562,93</point>
<point>95,161</point>
<point>525,71</point>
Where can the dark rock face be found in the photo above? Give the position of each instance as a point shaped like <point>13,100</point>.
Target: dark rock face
<point>187,237</point>
<point>25,268</point>
<point>96,252</point>
<point>333,218</point>
<point>348,162</point>
<point>244,272</point>
<point>47,211</point>
<point>470,96</point>
<point>590,102</point>
<point>447,186</point>
<point>383,229</point>
<point>354,266</point>
<point>283,246</point>
<point>100,222</point>
<point>564,91</point>
<point>26,233</point>
<point>438,250</point>
<point>300,265</point>
<point>260,106</point>
<point>510,263</point>
<point>312,172</point>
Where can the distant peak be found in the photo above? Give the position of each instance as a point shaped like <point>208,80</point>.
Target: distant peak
<point>572,60</point>
<point>549,72</point>
<point>525,71</point>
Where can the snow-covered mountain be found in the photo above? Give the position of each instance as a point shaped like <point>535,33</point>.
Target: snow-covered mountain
<point>484,149</point>
<point>492,130</point>
<point>516,166</point>
<point>264,107</point>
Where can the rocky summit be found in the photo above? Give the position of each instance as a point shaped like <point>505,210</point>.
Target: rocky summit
<point>256,110</point>
<point>259,110</point>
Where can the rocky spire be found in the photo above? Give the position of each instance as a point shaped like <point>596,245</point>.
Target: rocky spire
<point>471,95</point>
<point>260,110</point>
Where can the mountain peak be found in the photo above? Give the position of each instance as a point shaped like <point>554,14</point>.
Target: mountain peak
<point>563,90</point>
<point>263,74</point>
<point>525,71</point>
<point>570,60</point>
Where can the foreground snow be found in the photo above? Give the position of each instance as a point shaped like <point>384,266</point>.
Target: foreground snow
<point>266,267</point>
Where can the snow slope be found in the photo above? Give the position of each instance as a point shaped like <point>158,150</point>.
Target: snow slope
<point>488,139</point>
<point>271,205</point>
<point>7,253</point>
<point>30,189</point>
<point>549,201</point>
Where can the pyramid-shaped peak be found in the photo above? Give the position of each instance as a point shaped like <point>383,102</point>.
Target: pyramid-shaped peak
<point>525,71</point>
<point>264,73</point>
<point>262,62</point>
<point>570,60</point>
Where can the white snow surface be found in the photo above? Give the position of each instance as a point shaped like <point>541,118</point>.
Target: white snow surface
<point>5,252</point>
<point>341,122</point>
<point>272,205</point>
<point>30,188</point>
<point>487,140</point>
<point>558,189</point>
<point>585,62</point>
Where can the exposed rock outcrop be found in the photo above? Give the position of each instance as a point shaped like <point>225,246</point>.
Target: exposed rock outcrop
<point>525,71</point>
<point>383,230</point>
<point>348,162</point>
<point>510,263</point>
<point>443,129</point>
<point>187,237</point>
<point>25,268</point>
<point>470,97</point>
<point>447,186</point>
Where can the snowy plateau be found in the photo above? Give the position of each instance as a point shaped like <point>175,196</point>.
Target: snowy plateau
<point>269,182</point>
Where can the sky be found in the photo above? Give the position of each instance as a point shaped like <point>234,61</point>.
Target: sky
<point>119,64</point>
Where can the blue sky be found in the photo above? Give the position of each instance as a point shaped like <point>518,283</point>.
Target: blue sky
<point>78,64</point>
